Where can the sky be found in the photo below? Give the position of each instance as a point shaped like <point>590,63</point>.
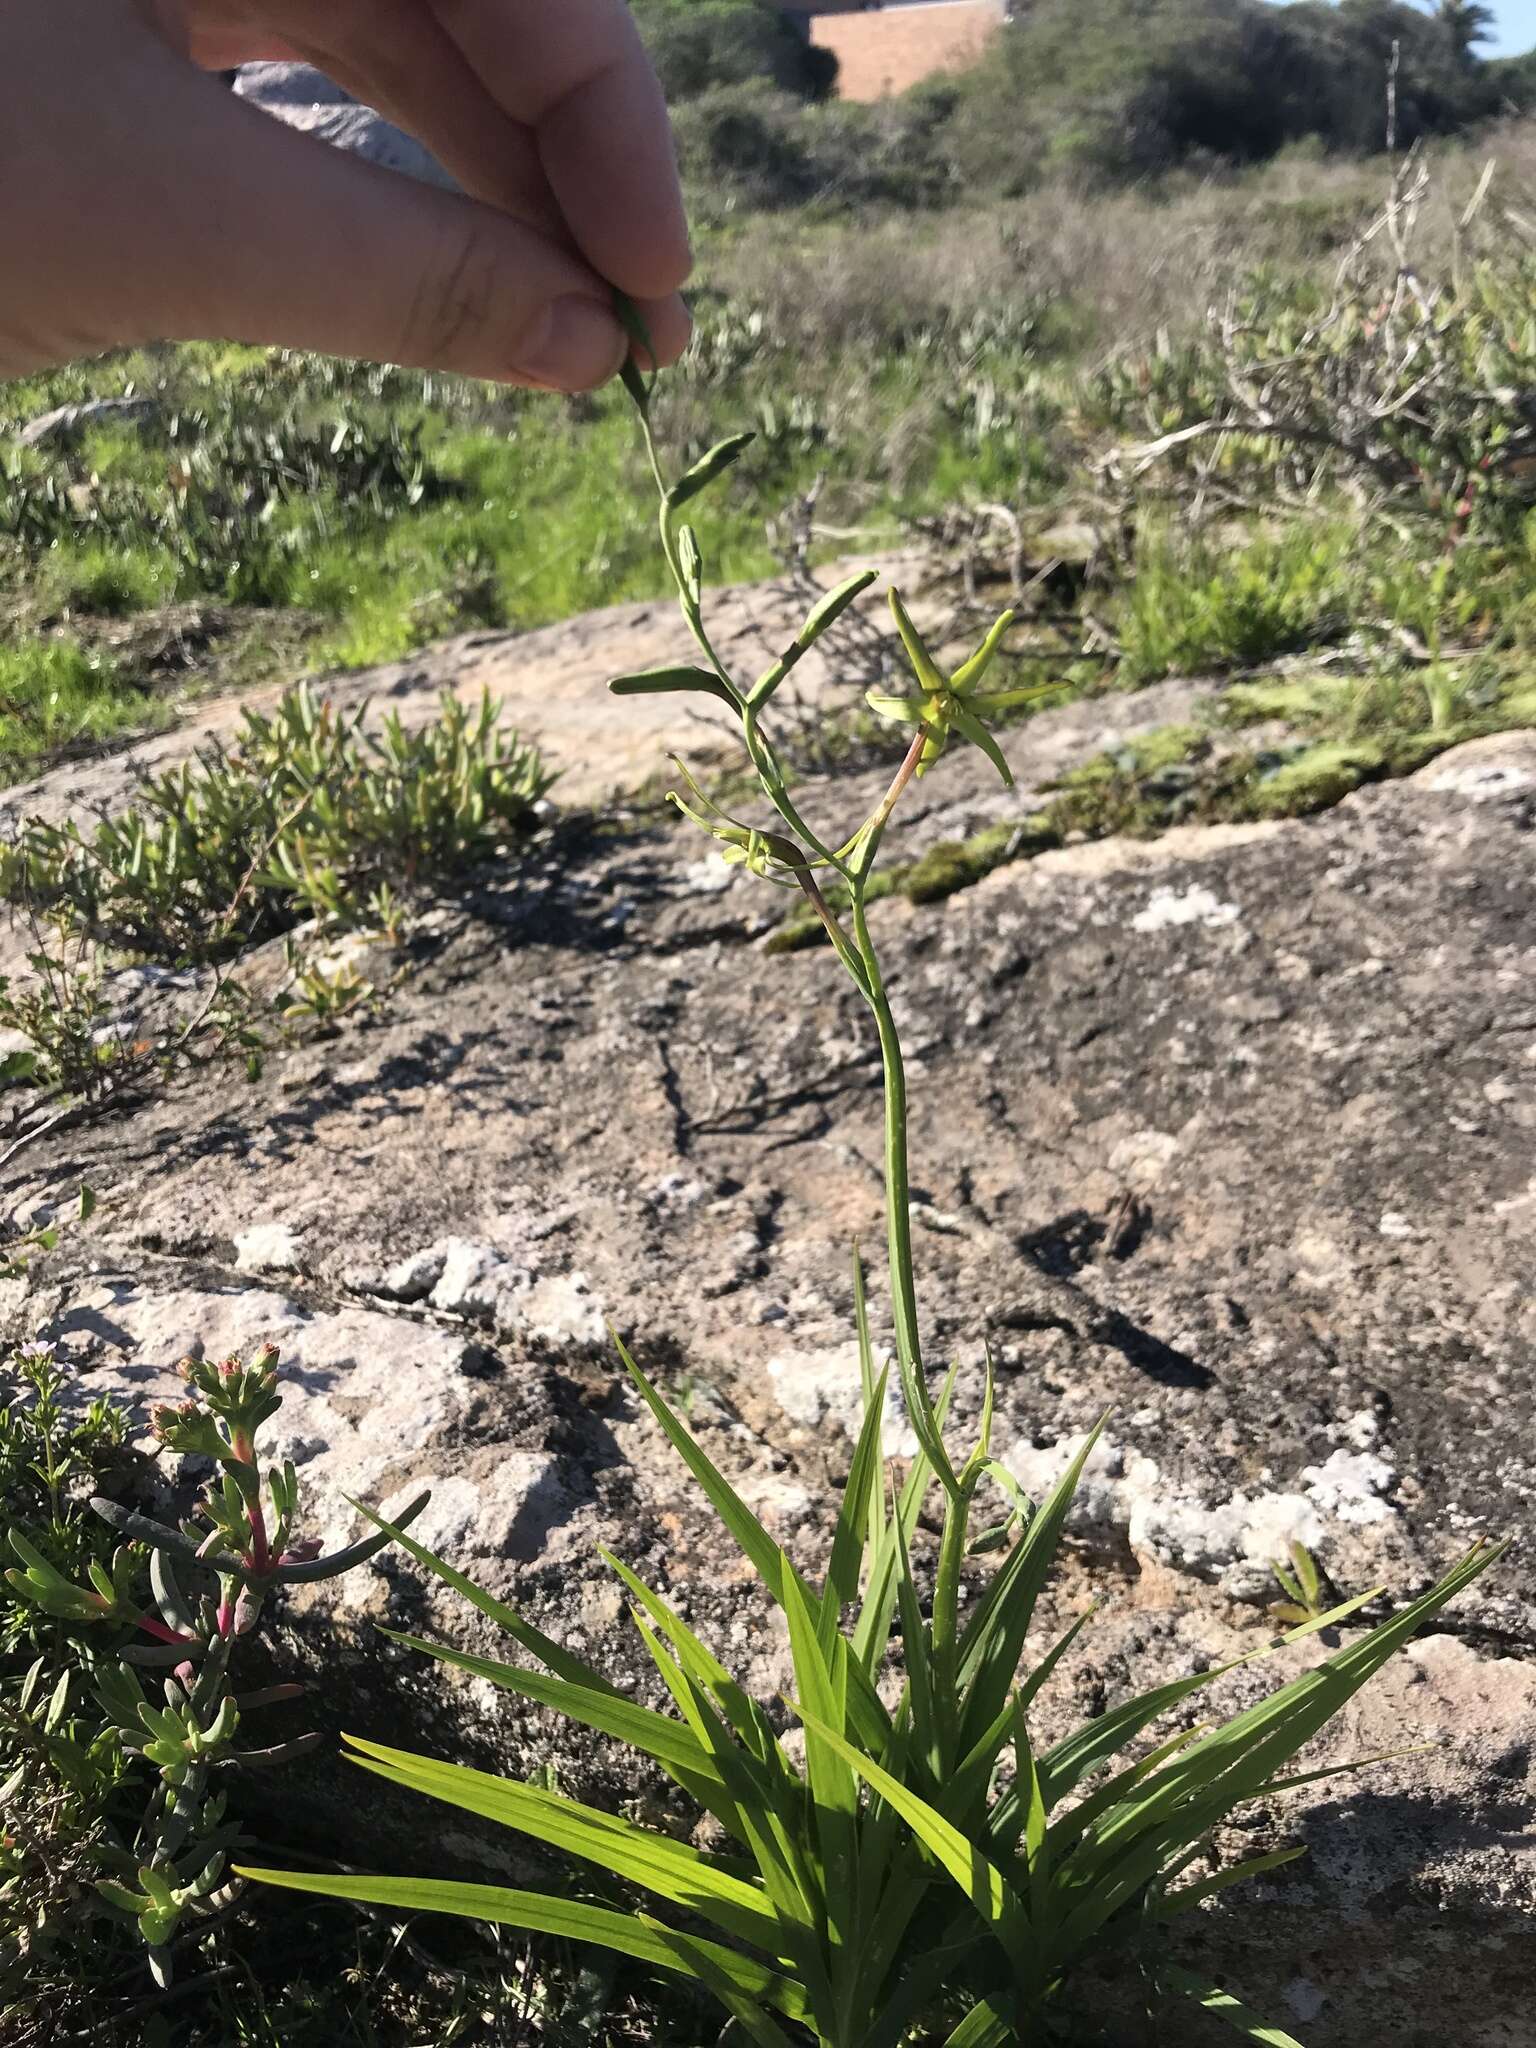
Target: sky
<point>1516,28</point>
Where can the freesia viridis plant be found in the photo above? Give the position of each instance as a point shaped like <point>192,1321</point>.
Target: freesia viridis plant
<point>911,1864</point>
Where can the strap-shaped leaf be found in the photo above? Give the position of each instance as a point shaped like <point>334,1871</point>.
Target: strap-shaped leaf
<point>1075,1756</point>
<point>667,682</point>
<point>1190,1895</point>
<point>658,1736</point>
<point>536,1913</point>
<point>759,1548</point>
<point>766,1812</point>
<point>765,1556</point>
<point>549,1653</point>
<point>965,1791</point>
<point>1225,2007</point>
<point>854,1518</point>
<point>984,2026</point>
<point>1226,1766</point>
<point>672,1870</point>
<point>1030,1690</point>
<point>694,1957</point>
<point>994,1638</point>
<point>1077,1822</point>
<point>743,1712</point>
<point>707,468</point>
<point>977,1876</point>
<point>822,1679</point>
<point>917,1653</point>
<point>872,1631</point>
<point>1035,1840</point>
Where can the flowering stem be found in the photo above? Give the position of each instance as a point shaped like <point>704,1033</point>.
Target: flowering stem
<point>898,1205</point>
<point>872,833</point>
<point>845,950</point>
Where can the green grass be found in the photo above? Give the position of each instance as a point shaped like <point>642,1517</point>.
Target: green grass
<point>1193,607</point>
<point>55,696</point>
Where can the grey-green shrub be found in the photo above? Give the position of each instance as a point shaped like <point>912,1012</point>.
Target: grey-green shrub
<point>306,813</point>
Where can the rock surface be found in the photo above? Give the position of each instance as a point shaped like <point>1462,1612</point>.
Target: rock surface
<point>1229,1132</point>
<point>306,99</point>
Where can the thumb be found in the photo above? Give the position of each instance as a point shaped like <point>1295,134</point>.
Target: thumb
<point>142,201</point>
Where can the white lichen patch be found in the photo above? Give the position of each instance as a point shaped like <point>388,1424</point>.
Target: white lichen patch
<point>1351,1486</point>
<point>1194,905</point>
<point>267,1248</point>
<point>1236,1540</point>
<point>1481,780</point>
<point>818,1387</point>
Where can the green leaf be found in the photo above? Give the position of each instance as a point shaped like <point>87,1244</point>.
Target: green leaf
<point>756,1545</point>
<point>1030,1690</point>
<point>764,1807</point>
<point>1190,1895</point>
<point>549,1653</point>
<point>979,1878</point>
<point>536,1913</point>
<point>983,2027</point>
<point>743,1712</point>
<point>873,1628</point>
<point>854,1517</point>
<point>822,1679</point>
<point>87,1206</point>
<point>696,1960</point>
<point>1035,1834</point>
<point>658,1736</point>
<point>707,468</point>
<point>17,1066</point>
<point>1226,2007</point>
<point>673,1870</point>
<point>916,1644</point>
<point>994,1638</point>
<point>1125,1848</point>
<point>1357,1763</point>
<point>663,682</point>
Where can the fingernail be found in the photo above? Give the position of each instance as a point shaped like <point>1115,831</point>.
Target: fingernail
<point>580,346</point>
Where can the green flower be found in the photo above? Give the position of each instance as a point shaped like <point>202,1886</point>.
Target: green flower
<point>946,704</point>
<point>762,853</point>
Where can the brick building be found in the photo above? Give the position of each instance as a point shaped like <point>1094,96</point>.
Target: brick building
<point>884,49</point>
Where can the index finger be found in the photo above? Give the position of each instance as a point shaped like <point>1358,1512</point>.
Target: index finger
<point>576,74</point>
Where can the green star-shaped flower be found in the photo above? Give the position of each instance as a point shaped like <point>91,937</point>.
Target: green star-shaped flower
<point>946,704</point>
<point>769,854</point>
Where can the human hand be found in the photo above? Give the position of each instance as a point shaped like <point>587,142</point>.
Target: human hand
<point>140,200</point>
